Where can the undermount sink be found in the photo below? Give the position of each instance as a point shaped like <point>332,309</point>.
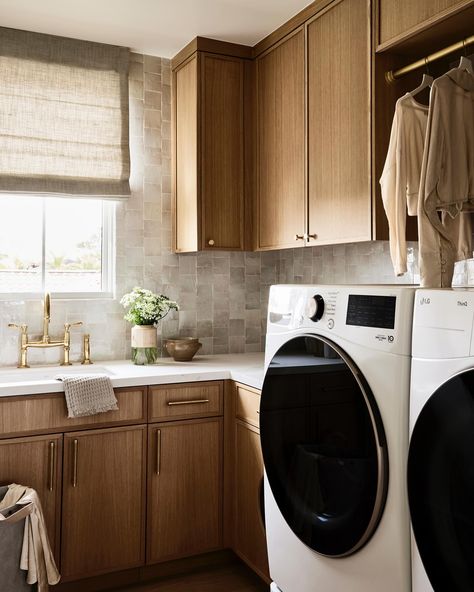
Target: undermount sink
<point>48,373</point>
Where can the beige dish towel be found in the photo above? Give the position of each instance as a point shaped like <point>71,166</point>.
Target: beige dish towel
<point>88,394</point>
<point>36,555</point>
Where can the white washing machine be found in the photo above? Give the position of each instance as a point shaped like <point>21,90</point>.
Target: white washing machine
<point>334,434</point>
<point>441,453</point>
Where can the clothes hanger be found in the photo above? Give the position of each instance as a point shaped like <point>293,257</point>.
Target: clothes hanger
<point>426,81</point>
<point>465,63</point>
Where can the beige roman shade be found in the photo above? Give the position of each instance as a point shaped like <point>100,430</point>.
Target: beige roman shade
<point>63,116</point>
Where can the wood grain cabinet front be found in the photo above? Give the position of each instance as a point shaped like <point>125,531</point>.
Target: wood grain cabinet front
<point>281,197</point>
<point>103,514</point>
<point>398,19</point>
<point>339,137</point>
<point>209,153</point>
<point>184,488</point>
<point>37,463</point>
<point>170,402</point>
<point>249,537</point>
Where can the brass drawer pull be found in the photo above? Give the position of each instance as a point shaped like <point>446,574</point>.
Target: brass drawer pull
<point>75,446</point>
<point>52,458</point>
<point>158,452</point>
<point>192,402</point>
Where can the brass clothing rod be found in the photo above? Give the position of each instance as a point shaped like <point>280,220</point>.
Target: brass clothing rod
<point>392,75</point>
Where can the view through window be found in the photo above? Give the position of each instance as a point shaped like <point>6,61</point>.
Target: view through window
<point>60,245</point>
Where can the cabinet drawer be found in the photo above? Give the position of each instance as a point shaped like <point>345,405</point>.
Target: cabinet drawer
<point>194,399</point>
<point>247,404</point>
<point>48,413</point>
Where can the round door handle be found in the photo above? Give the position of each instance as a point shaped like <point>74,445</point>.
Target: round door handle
<point>211,243</point>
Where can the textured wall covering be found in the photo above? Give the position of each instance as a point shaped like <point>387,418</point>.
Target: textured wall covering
<point>223,296</point>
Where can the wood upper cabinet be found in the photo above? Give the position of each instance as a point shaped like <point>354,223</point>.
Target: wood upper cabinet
<point>339,143</point>
<point>209,153</point>
<point>281,199</point>
<point>103,524</point>
<point>184,488</point>
<point>249,539</point>
<point>399,18</point>
<point>37,463</point>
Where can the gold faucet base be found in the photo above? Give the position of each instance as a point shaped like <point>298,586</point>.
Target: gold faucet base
<point>86,363</point>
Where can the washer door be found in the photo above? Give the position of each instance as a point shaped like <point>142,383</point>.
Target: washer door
<point>441,485</point>
<point>323,446</point>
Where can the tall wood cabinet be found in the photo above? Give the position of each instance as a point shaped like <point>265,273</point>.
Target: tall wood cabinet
<point>281,199</point>
<point>339,142</point>
<point>103,525</point>
<point>209,153</point>
<point>37,462</point>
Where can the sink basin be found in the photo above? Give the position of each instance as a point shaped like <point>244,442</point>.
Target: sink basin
<point>48,373</point>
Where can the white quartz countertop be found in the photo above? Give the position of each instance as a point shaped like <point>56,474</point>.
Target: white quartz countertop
<point>244,368</point>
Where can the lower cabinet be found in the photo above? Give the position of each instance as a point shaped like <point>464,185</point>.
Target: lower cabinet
<point>249,538</point>
<point>184,488</point>
<point>37,462</point>
<point>103,515</point>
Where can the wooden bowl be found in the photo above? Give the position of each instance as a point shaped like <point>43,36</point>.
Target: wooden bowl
<point>183,349</point>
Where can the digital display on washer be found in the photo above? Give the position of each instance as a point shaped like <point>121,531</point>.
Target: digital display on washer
<point>371,311</point>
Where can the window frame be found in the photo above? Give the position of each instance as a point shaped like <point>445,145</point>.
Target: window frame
<point>108,263</point>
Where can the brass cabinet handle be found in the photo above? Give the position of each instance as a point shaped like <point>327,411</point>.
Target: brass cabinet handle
<point>299,236</point>
<point>192,402</point>
<point>211,243</point>
<point>158,452</point>
<point>51,458</point>
<point>75,446</point>
<point>313,236</point>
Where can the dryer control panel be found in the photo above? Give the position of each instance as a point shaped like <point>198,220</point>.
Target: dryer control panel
<point>443,324</point>
<point>376,316</point>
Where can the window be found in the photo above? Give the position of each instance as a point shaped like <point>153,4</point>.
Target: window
<point>61,245</point>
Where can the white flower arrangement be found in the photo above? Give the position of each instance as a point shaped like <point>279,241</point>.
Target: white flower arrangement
<point>145,307</point>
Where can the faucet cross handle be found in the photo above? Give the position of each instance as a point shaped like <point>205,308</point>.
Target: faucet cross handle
<point>23,327</point>
<point>67,326</point>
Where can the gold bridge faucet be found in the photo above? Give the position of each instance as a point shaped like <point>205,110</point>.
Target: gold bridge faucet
<point>45,340</point>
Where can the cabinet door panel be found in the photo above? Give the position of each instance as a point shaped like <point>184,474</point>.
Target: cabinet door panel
<point>222,152</point>
<point>103,501</point>
<point>339,189</point>
<point>37,462</point>
<point>250,541</point>
<point>184,489</point>
<point>281,144</point>
<point>399,16</point>
<point>187,172</point>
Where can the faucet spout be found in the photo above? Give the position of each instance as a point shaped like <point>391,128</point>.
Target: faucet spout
<point>46,317</point>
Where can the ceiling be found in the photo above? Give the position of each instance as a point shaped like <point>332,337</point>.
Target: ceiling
<point>155,27</point>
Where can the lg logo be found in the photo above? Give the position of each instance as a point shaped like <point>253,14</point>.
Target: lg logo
<point>425,300</point>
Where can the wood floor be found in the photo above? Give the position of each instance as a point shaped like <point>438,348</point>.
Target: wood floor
<point>230,578</point>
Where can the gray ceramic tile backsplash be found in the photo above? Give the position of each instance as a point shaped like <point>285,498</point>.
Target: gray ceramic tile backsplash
<point>223,296</point>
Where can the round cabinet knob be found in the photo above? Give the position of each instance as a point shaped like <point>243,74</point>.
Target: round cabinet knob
<point>211,243</point>
<point>315,308</point>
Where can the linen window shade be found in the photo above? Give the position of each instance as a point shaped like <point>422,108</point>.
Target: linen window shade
<point>64,125</point>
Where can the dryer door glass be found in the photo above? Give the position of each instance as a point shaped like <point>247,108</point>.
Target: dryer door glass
<point>441,485</point>
<point>323,446</point>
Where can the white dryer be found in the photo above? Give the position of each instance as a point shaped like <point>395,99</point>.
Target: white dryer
<point>334,434</point>
<point>441,453</point>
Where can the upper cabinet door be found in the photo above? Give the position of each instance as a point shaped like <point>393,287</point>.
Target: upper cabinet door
<point>222,152</point>
<point>209,153</point>
<point>339,188</point>
<point>281,199</point>
<point>398,17</point>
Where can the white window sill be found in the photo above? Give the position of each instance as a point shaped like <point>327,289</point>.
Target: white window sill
<point>19,296</point>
